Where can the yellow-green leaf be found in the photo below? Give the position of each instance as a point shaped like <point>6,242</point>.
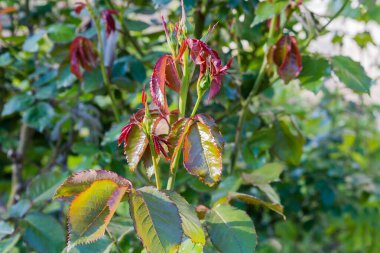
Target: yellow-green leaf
<point>264,175</point>
<point>201,155</point>
<point>91,211</point>
<point>156,219</point>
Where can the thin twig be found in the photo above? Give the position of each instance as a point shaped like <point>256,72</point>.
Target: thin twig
<point>114,241</point>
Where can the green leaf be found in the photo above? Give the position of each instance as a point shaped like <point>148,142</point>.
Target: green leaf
<point>19,209</point>
<point>43,186</point>
<point>92,80</point>
<point>137,143</point>
<point>136,25</point>
<point>191,225</point>
<point>91,211</point>
<point>314,69</point>
<point>288,144</point>
<point>156,219</point>
<point>17,103</point>
<point>201,155</point>
<point>266,10</point>
<point>231,230</point>
<point>231,183</point>
<point>363,39</point>
<point>187,246</point>
<point>5,59</point>
<point>5,229</point>
<point>44,234</point>
<point>39,116</point>
<point>7,245</point>
<point>31,43</point>
<point>61,33</point>
<point>249,199</point>
<point>351,73</point>
<point>264,175</point>
<point>102,245</point>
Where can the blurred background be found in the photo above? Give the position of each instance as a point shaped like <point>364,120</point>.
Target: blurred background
<point>323,128</point>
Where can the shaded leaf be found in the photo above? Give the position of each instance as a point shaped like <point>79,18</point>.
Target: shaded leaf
<point>201,155</point>
<point>7,245</point>
<point>39,116</point>
<point>61,33</point>
<point>156,220</point>
<point>314,69</point>
<point>288,144</point>
<point>5,229</point>
<point>44,234</point>
<point>17,103</point>
<point>266,10</point>
<point>231,230</point>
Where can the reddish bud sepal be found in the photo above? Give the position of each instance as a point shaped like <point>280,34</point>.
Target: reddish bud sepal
<point>164,73</point>
<point>287,58</point>
<point>207,58</point>
<point>79,7</point>
<point>109,21</point>
<point>81,54</point>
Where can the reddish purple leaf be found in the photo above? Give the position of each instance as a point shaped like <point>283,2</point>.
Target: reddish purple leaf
<point>287,58</point>
<point>79,7</point>
<point>109,20</point>
<point>82,54</point>
<point>164,72</point>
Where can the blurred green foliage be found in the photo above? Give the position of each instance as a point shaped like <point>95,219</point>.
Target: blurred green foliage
<point>327,144</point>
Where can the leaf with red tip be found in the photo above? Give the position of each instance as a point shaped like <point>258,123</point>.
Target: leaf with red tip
<point>124,135</point>
<point>109,20</point>
<point>79,7</point>
<point>171,75</point>
<point>80,181</point>
<point>287,57</point>
<point>201,155</point>
<point>92,210</point>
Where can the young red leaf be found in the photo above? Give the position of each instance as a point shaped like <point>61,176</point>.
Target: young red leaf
<point>164,72</point>
<point>109,20</point>
<point>287,58</point>
<point>82,54</point>
<point>79,7</point>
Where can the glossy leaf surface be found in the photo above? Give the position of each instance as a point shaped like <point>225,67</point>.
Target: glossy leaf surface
<point>202,157</point>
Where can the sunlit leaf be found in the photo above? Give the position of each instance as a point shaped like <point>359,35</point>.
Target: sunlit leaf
<point>252,200</point>
<point>156,219</point>
<point>191,225</point>
<point>201,155</point>
<point>231,230</point>
<point>91,211</point>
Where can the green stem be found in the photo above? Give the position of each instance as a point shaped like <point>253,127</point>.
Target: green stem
<point>171,180</point>
<point>155,165</point>
<point>103,69</point>
<point>184,84</point>
<point>199,99</point>
<point>252,94</point>
<point>114,241</point>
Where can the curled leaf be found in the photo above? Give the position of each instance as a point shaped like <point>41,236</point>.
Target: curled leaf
<point>82,54</point>
<point>109,20</point>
